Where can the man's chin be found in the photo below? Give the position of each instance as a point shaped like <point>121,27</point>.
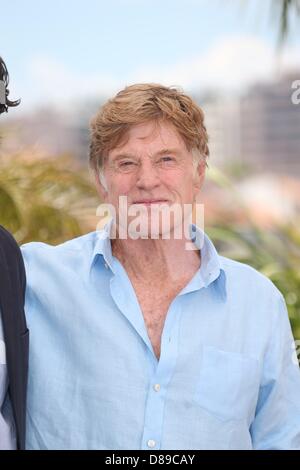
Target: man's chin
<point>150,229</point>
<point>156,222</point>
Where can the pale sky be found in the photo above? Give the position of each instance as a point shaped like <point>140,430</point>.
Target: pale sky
<point>69,50</point>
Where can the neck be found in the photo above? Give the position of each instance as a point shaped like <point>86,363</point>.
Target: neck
<point>162,260</point>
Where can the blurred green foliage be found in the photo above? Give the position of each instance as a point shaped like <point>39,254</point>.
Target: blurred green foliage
<point>44,199</point>
<point>286,8</point>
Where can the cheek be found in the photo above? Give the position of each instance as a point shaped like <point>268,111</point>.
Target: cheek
<point>187,189</point>
<point>182,181</point>
<point>119,186</point>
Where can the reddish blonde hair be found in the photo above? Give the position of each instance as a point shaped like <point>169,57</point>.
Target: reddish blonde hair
<point>141,103</point>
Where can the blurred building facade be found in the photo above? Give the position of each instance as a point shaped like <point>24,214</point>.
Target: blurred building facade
<point>270,127</point>
<point>259,130</point>
<point>222,120</point>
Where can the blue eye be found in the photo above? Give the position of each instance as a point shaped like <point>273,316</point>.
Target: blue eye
<point>167,160</point>
<point>127,165</point>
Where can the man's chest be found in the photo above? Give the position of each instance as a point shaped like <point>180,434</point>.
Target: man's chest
<point>154,301</point>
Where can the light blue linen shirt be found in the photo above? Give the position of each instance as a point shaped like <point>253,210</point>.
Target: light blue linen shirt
<point>226,378</point>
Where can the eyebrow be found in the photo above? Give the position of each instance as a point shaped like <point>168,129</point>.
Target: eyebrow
<point>157,154</point>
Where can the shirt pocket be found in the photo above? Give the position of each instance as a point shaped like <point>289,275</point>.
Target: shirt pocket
<point>228,384</point>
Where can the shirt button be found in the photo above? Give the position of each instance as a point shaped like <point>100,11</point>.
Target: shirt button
<point>105,264</point>
<point>151,443</point>
<point>157,387</point>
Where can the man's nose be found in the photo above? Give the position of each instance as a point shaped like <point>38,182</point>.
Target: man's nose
<point>147,176</point>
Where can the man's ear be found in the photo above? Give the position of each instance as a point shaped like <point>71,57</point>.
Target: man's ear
<point>102,191</point>
<point>199,175</point>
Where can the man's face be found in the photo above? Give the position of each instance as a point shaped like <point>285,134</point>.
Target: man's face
<point>152,167</point>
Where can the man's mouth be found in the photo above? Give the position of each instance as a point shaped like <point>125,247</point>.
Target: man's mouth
<point>148,202</point>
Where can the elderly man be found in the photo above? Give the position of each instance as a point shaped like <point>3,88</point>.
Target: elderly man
<point>139,341</point>
<point>13,330</point>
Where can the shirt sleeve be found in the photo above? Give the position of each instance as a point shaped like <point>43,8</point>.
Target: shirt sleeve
<point>276,425</point>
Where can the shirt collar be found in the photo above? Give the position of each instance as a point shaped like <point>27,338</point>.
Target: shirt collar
<point>211,268</point>
<point>103,245</point>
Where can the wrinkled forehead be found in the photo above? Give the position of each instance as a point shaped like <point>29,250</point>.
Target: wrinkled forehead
<point>150,137</point>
